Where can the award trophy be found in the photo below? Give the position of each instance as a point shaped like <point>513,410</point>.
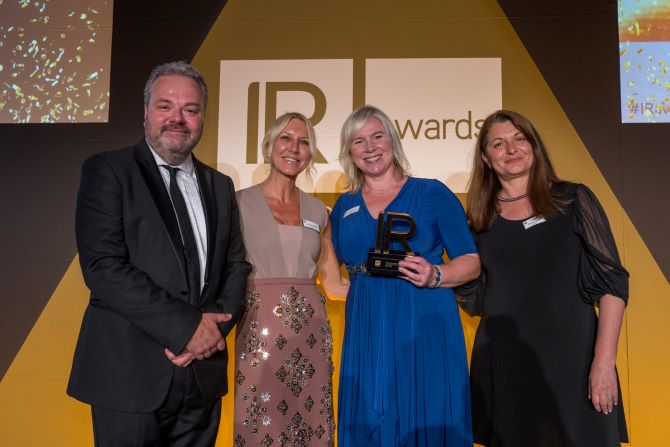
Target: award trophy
<point>381,260</point>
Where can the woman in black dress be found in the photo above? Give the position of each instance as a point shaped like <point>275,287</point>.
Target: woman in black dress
<point>543,366</point>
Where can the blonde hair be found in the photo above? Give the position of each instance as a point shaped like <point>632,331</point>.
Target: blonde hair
<point>278,126</point>
<point>352,125</point>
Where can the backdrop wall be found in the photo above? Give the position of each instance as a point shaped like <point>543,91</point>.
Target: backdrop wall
<point>559,67</point>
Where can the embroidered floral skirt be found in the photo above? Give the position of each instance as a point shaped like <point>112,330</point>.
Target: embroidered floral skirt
<point>283,377</point>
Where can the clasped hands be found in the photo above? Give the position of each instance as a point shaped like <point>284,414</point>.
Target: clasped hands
<point>205,341</point>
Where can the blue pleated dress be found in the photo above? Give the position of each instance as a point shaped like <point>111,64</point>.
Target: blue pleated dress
<point>404,377</point>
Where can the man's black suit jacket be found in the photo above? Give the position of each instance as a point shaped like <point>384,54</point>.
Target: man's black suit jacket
<point>131,255</point>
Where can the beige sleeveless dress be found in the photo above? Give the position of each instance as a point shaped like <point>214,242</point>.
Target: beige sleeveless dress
<point>283,379</point>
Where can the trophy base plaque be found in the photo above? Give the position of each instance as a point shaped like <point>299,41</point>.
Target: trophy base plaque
<point>384,264</point>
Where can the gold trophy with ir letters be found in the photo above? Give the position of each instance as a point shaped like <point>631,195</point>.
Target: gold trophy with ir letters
<point>383,261</point>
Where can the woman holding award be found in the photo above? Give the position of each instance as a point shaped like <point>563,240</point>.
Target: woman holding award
<point>404,378</point>
<point>283,382</point>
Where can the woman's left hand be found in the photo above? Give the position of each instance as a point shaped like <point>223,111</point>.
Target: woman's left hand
<point>417,270</point>
<point>603,391</point>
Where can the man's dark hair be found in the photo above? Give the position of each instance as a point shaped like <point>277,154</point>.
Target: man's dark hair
<point>175,68</point>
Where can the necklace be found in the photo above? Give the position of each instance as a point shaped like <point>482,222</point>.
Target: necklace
<point>512,199</point>
<point>388,190</point>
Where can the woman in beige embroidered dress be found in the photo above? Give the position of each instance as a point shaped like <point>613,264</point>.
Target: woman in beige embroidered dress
<point>283,379</point>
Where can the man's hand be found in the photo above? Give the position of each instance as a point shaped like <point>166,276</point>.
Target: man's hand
<point>182,360</point>
<point>207,338</point>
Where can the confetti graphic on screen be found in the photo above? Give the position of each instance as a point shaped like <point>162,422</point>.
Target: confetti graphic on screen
<point>644,53</point>
<point>55,61</point>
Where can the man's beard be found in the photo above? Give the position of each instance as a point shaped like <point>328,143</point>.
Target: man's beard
<point>176,147</point>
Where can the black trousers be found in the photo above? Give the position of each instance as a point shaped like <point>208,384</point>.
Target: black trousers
<point>185,419</point>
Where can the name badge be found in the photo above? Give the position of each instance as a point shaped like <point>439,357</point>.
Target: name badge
<point>351,211</point>
<point>311,225</point>
<point>533,221</point>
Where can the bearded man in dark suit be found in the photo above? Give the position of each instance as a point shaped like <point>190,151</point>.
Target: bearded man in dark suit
<point>161,251</point>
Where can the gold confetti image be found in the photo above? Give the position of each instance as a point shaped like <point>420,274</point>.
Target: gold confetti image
<point>55,60</point>
<point>644,20</point>
<point>644,54</point>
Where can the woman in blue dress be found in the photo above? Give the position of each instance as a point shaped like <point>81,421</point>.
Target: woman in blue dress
<point>404,377</point>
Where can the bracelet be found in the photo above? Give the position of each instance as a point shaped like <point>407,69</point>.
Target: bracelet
<point>438,277</point>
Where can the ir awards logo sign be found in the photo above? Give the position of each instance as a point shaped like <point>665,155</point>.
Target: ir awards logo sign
<point>437,105</point>
<point>253,93</point>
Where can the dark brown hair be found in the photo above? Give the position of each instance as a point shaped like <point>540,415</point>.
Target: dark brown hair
<point>484,185</point>
<point>181,68</point>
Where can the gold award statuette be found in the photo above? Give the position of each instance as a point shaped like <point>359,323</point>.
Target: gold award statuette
<point>381,260</point>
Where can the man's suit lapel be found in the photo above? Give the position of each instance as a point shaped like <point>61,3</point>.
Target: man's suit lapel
<point>208,196</point>
<point>154,181</point>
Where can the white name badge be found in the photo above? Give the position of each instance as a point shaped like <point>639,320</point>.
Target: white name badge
<point>533,221</point>
<point>311,225</point>
<point>351,211</point>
